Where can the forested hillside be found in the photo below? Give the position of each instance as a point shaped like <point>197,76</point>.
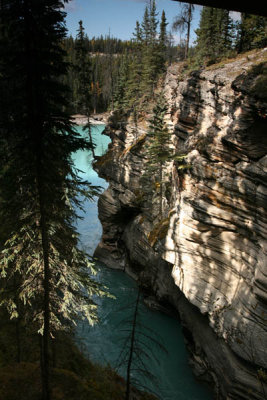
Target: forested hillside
<point>120,74</point>
<point>47,281</point>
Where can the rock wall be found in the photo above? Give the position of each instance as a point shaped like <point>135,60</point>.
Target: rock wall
<point>206,255</point>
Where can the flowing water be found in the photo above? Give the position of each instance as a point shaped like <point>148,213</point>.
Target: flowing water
<point>104,342</point>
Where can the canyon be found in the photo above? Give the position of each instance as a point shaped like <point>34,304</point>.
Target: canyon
<point>204,256</point>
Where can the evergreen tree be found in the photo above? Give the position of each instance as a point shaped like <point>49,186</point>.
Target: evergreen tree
<point>138,35</point>
<point>39,186</point>
<point>145,27</point>
<point>146,62</point>
<point>214,35</point>
<point>224,33</point>
<point>163,42</point>
<point>150,53</point>
<point>83,67</point>
<point>183,23</point>
<point>252,32</point>
<point>153,23</point>
<point>137,351</point>
<point>158,148</point>
<point>120,90</point>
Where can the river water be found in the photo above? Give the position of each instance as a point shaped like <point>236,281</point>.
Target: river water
<point>104,343</point>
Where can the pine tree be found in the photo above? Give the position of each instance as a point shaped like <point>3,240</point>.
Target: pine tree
<point>40,188</point>
<point>153,23</point>
<point>162,42</point>
<point>158,148</point>
<point>183,23</point>
<point>225,32</point>
<point>120,90</point>
<point>150,47</point>
<point>252,32</point>
<point>137,350</point>
<point>145,27</point>
<point>214,35</point>
<point>138,35</point>
<point>206,34</point>
<point>83,66</point>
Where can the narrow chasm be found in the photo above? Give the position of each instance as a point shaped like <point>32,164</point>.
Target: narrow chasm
<point>196,241</point>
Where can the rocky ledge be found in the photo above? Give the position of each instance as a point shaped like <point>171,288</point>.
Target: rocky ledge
<point>206,256</point>
<point>95,119</point>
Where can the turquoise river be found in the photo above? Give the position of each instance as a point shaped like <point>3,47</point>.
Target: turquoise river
<point>104,342</point>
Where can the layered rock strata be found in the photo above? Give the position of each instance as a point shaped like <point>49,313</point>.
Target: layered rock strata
<point>206,255</point>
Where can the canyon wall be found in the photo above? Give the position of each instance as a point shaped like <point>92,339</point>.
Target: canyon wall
<point>206,254</point>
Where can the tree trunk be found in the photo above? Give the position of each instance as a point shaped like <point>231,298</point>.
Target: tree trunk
<point>18,340</point>
<point>161,191</point>
<point>90,134</point>
<point>35,126</point>
<point>188,30</point>
<point>128,377</point>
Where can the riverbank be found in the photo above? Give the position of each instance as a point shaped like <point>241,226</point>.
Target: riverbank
<point>95,119</point>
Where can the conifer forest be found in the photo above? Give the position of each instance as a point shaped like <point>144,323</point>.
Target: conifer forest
<point>49,283</point>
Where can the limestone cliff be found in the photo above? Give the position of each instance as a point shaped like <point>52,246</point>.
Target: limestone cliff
<point>207,254</point>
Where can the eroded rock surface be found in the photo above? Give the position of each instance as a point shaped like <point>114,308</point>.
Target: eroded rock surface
<point>207,254</point>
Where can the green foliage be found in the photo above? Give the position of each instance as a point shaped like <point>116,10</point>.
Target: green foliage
<point>259,87</point>
<point>252,32</point>
<point>158,150</point>
<point>137,81</point>
<point>214,35</point>
<point>218,36</point>
<point>46,281</point>
<point>182,23</point>
<point>158,137</point>
<point>102,57</point>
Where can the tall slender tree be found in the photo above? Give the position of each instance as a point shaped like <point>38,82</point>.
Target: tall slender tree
<point>163,39</point>
<point>83,66</point>
<point>40,188</point>
<point>137,351</point>
<point>214,35</point>
<point>183,23</point>
<point>158,148</point>
<point>252,30</point>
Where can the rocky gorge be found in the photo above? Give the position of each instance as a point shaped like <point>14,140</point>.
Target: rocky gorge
<point>205,256</point>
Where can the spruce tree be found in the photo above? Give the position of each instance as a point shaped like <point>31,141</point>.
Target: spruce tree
<point>120,89</point>
<point>150,53</point>
<point>158,148</point>
<point>145,27</point>
<point>153,23</point>
<point>252,32</point>
<point>224,33</point>
<point>138,351</point>
<point>183,23</point>
<point>214,35</point>
<point>162,42</point>
<point>83,66</point>
<point>40,188</point>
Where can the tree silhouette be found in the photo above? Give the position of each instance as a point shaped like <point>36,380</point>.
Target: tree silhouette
<point>44,275</point>
<point>139,344</point>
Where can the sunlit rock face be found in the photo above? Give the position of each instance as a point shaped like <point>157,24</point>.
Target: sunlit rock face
<point>210,260</point>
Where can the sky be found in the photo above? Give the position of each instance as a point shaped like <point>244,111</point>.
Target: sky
<point>118,16</point>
